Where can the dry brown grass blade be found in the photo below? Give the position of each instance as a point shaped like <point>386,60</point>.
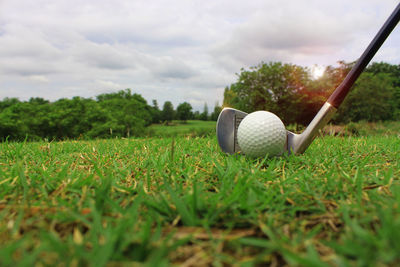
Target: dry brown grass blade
<point>36,209</point>
<point>373,186</point>
<point>203,234</point>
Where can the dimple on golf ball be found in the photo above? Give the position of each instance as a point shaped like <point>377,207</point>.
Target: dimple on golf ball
<point>261,133</point>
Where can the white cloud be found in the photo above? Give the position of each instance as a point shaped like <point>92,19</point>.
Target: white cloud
<point>38,78</point>
<point>108,84</point>
<point>322,32</point>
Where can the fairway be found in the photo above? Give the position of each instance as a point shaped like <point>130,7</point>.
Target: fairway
<point>191,128</point>
<point>164,201</point>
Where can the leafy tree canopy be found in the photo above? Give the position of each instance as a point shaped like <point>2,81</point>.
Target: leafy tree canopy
<point>184,111</point>
<point>167,113</point>
<point>289,91</point>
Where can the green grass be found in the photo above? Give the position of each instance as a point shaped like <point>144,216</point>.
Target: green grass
<point>372,128</point>
<point>178,128</point>
<point>174,201</point>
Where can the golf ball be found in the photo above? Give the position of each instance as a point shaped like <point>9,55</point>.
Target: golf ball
<point>261,133</point>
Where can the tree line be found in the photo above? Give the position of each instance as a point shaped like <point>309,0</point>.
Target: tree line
<point>290,92</point>
<point>287,90</point>
<point>120,114</point>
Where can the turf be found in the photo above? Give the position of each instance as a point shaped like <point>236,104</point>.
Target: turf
<point>178,128</point>
<point>180,201</point>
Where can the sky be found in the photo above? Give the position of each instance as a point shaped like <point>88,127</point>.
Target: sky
<point>175,50</point>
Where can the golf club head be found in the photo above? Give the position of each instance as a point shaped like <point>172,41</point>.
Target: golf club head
<point>230,118</point>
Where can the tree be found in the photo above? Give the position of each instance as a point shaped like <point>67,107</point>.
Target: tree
<point>184,111</point>
<point>371,99</point>
<point>204,114</point>
<point>229,97</point>
<point>39,122</point>
<point>273,86</point>
<point>382,67</point>
<point>155,112</point>
<point>66,118</point>
<point>217,110</point>
<point>128,113</point>
<point>115,114</point>
<point>12,124</point>
<point>394,72</point>
<point>196,115</point>
<point>7,102</point>
<point>99,119</point>
<point>167,113</point>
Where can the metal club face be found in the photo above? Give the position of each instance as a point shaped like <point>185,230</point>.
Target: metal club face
<point>227,125</point>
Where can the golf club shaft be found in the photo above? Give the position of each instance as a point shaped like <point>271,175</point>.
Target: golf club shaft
<point>342,90</point>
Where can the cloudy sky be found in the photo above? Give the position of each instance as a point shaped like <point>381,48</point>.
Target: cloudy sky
<point>177,50</point>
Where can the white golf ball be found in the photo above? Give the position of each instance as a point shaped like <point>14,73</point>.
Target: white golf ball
<point>261,133</point>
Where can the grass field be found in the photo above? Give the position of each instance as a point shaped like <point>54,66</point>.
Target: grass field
<point>180,201</point>
<point>178,128</point>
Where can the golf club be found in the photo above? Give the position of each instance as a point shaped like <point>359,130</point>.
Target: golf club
<point>230,118</point>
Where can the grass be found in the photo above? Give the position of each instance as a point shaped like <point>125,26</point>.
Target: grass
<point>178,128</point>
<point>372,128</point>
<point>180,201</point>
